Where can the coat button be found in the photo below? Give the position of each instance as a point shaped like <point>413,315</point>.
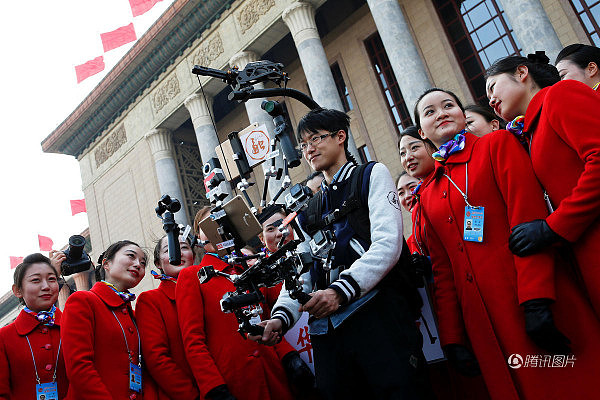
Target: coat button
<point>450,219</point>
<point>48,367</point>
<point>130,329</point>
<point>444,194</point>
<point>133,396</point>
<point>124,310</point>
<point>47,346</point>
<point>255,353</point>
<point>460,246</point>
<point>469,277</point>
<point>45,329</point>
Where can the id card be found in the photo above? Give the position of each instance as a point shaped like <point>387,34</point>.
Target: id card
<point>473,225</point>
<point>135,377</point>
<point>46,391</point>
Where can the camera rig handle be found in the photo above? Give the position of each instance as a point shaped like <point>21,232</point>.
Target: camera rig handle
<point>169,206</point>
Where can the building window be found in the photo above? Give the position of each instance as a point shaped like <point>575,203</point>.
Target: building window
<point>588,12</point>
<point>479,35</point>
<point>387,82</point>
<point>341,86</point>
<point>365,156</point>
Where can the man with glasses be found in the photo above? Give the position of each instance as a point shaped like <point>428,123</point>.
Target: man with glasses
<point>362,328</point>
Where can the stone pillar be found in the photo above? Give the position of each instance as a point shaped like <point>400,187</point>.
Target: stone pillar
<point>161,146</point>
<point>300,19</point>
<point>401,50</point>
<point>532,27</point>
<point>206,135</point>
<point>257,114</point>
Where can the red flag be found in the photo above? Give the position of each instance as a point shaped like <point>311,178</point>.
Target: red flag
<point>90,68</point>
<point>139,7</point>
<point>118,37</point>
<point>78,206</point>
<point>45,243</point>
<point>14,261</point>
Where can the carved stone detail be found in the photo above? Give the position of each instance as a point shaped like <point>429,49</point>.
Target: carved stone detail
<point>112,143</point>
<point>209,52</point>
<point>165,93</point>
<point>252,12</point>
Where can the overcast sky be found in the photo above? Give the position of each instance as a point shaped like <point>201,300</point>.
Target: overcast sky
<point>42,41</point>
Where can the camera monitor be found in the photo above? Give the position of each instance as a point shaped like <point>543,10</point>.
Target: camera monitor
<point>242,219</point>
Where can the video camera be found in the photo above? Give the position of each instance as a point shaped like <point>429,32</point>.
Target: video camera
<point>232,223</point>
<point>77,259</point>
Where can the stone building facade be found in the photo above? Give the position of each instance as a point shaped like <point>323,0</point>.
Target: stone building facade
<point>147,128</point>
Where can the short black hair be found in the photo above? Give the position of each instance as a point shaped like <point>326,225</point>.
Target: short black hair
<point>542,73</point>
<point>27,262</point>
<point>269,211</point>
<point>580,54</point>
<point>425,93</point>
<point>326,119</point>
<point>487,113</point>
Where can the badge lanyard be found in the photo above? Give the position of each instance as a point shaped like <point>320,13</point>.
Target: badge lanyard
<point>135,371</point>
<point>474,216</point>
<point>546,197</point>
<point>49,390</point>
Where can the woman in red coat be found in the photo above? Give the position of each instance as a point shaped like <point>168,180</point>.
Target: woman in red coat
<point>512,310</point>
<point>156,315</point>
<point>31,359</point>
<point>561,129</point>
<point>580,62</point>
<point>100,337</point>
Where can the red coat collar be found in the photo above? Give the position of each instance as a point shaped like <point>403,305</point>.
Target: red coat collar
<point>26,323</point>
<point>535,108</point>
<point>461,157</point>
<point>168,288</point>
<point>107,295</point>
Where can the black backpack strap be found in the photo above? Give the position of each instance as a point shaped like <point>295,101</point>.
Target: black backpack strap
<point>312,213</point>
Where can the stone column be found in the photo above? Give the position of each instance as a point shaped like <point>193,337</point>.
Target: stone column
<point>300,19</point>
<point>400,47</point>
<point>532,27</point>
<point>206,135</point>
<point>161,146</point>
<point>257,114</point>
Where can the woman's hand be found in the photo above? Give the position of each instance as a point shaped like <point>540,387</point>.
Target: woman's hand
<point>531,237</point>
<point>56,259</point>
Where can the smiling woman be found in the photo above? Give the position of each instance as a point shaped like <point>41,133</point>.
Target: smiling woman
<point>102,343</point>
<point>32,342</point>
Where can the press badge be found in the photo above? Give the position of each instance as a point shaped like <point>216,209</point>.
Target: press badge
<point>135,377</point>
<point>473,225</point>
<point>46,391</point>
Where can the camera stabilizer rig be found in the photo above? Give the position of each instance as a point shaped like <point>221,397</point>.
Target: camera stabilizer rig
<point>287,263</point>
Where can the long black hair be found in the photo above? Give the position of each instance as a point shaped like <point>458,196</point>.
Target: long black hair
<point>542,73</point>
<point>109,255</point>
<point>580,54</point>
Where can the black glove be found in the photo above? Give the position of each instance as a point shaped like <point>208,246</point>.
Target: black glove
<point>540,327</point>
<point>220,393</point>
<point>462,359</point>
<point>298,373</point>
<point>530,237</point>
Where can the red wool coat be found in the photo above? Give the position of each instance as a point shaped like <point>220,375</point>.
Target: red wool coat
<point>478,286</point>
<point>95,353</point>
<point>17,374</point>
<point>215,350</point>
<point>565,153</point>
<point>162,346</point>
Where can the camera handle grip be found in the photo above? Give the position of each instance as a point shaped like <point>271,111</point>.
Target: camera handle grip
<point>255,330</point>
<point>302,297</point>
